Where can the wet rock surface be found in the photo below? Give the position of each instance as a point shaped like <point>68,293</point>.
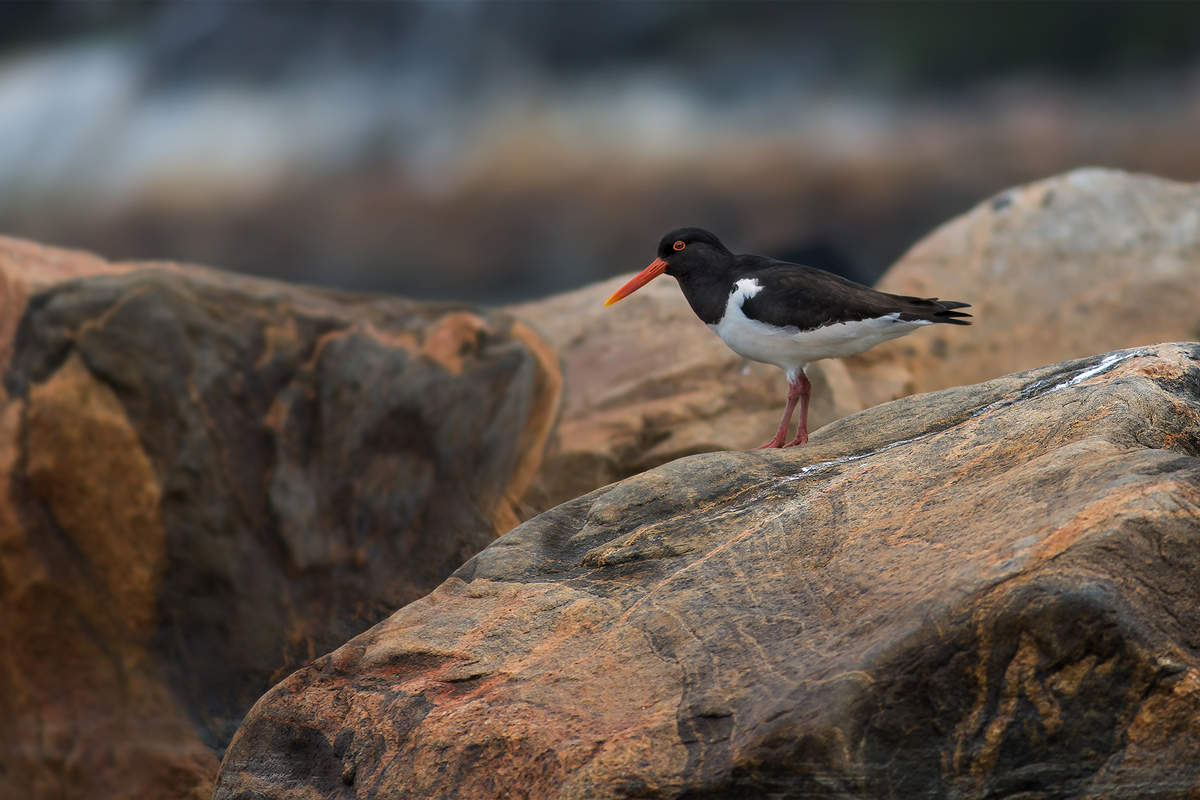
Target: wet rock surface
<point>984,591</point>
<point>211,480</point>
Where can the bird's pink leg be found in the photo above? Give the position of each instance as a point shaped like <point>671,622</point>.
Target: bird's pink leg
<point>798,391</point>
<point>805,390</point>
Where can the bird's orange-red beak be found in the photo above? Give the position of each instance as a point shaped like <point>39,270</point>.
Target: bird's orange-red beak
<point>638,281</point>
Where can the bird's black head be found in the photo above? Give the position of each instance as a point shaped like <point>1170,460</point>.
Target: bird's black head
<point>684,249</point>
<point>682,253</point>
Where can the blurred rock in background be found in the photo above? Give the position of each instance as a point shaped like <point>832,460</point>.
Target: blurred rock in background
<point>499,152</point>
<point>206,481</point>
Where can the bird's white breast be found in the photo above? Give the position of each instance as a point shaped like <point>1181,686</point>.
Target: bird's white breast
<point>790,348</point>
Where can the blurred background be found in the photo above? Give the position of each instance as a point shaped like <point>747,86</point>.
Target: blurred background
<point>496,151</point>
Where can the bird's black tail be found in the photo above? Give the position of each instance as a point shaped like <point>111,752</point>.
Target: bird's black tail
<point>947,314</point>
<point>933,310</point>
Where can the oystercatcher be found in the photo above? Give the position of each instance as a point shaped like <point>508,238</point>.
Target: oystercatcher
<point>784,314</point>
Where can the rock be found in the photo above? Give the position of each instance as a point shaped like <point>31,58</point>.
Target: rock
<point>1082,263</point>
<point>209,480</point>
<point>985,591</point>
<point>647,382</point>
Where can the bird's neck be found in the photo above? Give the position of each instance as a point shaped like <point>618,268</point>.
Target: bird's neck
<point>707,294</point>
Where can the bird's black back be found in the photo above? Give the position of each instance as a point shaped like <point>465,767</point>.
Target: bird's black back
<point>806,298</point>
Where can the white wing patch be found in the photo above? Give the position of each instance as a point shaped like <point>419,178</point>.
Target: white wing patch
<point>743,290</point>
<point>791,349</point>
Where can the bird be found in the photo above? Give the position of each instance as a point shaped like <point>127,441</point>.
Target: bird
<point>785,314</point>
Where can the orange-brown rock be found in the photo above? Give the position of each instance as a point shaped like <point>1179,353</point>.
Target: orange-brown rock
<point>1086,262</point>
<point>208,480</point>
<point>988,591</point>
<point>647,382</point>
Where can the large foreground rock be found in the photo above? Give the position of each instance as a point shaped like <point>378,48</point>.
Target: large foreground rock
<point>206,481</point>
<point>990,591</point>
<point>1081,263</point>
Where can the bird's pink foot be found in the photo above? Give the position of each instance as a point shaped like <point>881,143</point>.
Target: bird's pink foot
<point>801,438</point>
<point>799,389</point>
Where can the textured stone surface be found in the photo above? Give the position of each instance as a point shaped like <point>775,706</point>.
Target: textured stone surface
<point>647,382</point>
<point>208,480</point>
<point>989,591</point>
<point>1086,262</point>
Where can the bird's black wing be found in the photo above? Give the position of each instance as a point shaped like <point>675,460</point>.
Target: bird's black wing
<point>807,298</point>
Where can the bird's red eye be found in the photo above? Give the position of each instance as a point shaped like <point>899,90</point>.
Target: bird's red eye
<point>679,245</point>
